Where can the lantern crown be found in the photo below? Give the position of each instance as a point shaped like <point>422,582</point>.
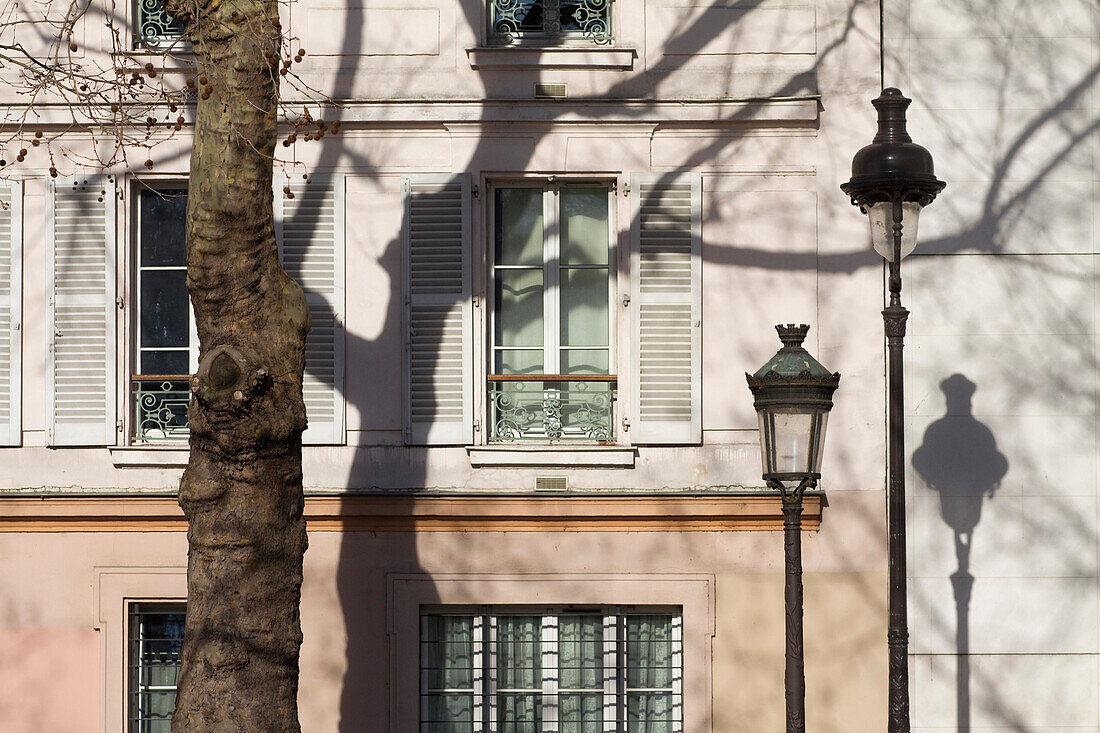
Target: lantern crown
<point>892,167</point>
<point>793,366</point>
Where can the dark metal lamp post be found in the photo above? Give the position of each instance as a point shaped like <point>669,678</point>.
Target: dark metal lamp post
<point>792,395</point>
<point>892,180</point>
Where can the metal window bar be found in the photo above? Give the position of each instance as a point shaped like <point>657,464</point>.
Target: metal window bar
<point>156,637</point>
<point>160,407</point>
<point>518,21</point>
<point>552,407</point>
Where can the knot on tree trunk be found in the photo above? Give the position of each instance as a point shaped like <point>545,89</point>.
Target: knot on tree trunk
<point>227,380</point>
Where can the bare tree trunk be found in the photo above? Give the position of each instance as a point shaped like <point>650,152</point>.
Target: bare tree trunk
<point>242,491</point>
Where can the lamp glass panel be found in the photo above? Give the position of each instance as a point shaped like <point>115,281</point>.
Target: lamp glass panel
<point>882,228</point>
<point>787,435</point>
<point>819,440</point>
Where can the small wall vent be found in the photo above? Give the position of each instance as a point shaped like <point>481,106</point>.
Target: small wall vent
<point>551,483</point>
<point>548,90</point>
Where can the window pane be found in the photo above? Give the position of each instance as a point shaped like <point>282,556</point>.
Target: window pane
<point>519,652</point>
<point>648,651</point>
<point>516,361</point>
<point>584,361</point>
<point>165,362</point>
<point>519,307</point>
<point>453,713</point>
<point>519,234</point>
<point>448,652</point>
<point>162,228</point>
<point>581,713</point>
<point>649,712</point>
<point>519,712</point>
<point>165,316</point>
<point>584,316</point>
<point>518,15</point>
<point>580,652</point>
<point>584,226</point>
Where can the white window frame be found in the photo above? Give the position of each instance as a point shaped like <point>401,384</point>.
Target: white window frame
<point>614,689</point>
<point>551,309</point>
<point>129,343</point>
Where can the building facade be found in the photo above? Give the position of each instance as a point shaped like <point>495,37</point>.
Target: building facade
<point>543,248</point>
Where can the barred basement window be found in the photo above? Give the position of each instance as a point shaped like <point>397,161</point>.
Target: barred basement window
<point>156,30</point>
<point>552,21</point>
<point>156,637</point>
<point>537,671</point>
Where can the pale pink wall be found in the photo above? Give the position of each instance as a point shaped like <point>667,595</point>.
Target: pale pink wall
<point>51,680</point>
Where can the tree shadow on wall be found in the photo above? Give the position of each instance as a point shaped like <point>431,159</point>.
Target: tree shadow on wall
<point>959,460</point>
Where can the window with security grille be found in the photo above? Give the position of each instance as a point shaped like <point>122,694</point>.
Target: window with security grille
<point>562,670</point>
<point>156,638</point>
<point>550,21</point>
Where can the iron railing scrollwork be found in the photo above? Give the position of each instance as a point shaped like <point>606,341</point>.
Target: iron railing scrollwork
<point>156,29</point>
<point>160,407</point>
<point>514,21</point>
<point>552,408</point>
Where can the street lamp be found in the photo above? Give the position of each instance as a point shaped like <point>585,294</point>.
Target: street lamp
<point>892,180</point>
<point>792,395</point>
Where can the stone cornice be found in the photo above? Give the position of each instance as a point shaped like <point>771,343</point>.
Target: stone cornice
<point>429,513</point>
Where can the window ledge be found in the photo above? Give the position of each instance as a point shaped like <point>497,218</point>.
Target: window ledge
<point>552,456</point>
<point>585,57</point>
<point>141,456</point>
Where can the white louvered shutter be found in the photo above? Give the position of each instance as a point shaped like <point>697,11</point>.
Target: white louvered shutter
<point>11,281</point>
<point>438,353</point>
<point>311,248</point>
<point>666,307</point>
<point>81,311</point>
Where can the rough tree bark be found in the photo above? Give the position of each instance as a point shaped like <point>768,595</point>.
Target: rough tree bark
<point>242,490</point>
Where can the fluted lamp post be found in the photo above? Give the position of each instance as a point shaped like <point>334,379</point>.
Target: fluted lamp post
<point>792,395</point>
<point>892,180</point>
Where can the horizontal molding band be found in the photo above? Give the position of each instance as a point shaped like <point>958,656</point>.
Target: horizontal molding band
<point>429,514</point>
<point>702,113</point>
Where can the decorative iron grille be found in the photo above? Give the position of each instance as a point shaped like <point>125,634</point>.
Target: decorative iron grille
<point>156,29</point>
<point>160,407</point>
<point>514,21</point>
<point>552,407</point>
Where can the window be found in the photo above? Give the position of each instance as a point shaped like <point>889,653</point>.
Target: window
<point>166,343</point>
<point>517,21</point>
<point>160,344</point>
<point>156,638</point>
<point>552,293</point>
<point>547,316</point>
<point>156,30</point>
<point>568,671</point>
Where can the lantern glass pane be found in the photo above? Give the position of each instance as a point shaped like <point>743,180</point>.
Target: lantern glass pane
<point>819,440</point>
<point>791,433</point>
<point>881,217</point>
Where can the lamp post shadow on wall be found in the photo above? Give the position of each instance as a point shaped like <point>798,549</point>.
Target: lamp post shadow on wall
<point>892,180</point>
<point>793,394</point>
<point>959,460</point>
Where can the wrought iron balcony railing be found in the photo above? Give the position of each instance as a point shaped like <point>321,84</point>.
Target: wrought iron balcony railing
<point>552,407</point>
<point>160,407</point>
